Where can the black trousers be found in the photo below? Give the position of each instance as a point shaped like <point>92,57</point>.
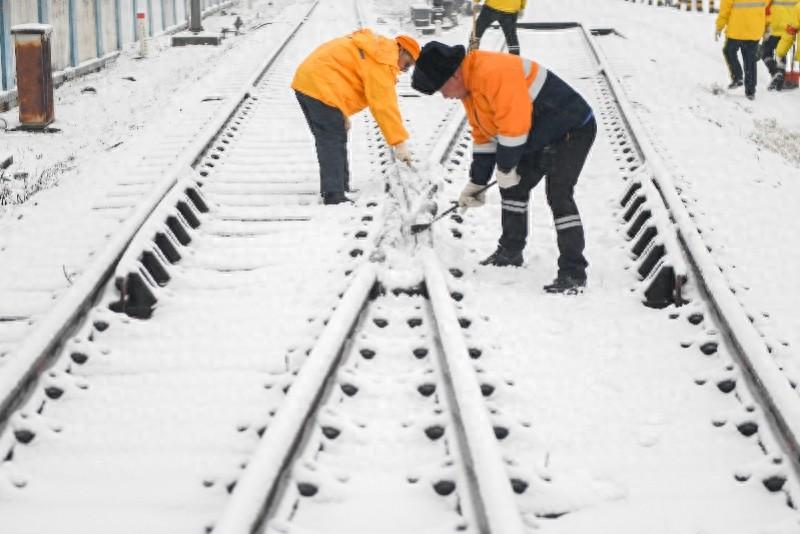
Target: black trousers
<point>507,21</point>
<point>560,164</point>
<point>749,50</point>
<point>775,65</point>
<point>327,124</point>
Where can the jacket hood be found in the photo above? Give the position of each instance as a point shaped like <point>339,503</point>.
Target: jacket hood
<point>378,48</point>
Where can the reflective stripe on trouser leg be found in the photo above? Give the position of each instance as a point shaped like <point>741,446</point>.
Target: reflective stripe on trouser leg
<point>571,242</point>
<point>514,218</point>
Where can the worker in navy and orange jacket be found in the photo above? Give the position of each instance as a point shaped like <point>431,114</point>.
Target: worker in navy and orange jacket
<point>339,79</point>
<point>528,124</point>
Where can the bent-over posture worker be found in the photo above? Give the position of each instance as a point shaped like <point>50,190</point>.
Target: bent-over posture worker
<point>339,79</point>
<point>529,124</point>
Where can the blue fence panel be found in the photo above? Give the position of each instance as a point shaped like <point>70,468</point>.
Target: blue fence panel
<point>5,45</point>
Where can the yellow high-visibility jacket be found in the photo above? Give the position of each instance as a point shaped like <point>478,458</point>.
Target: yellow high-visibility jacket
<point>506,6</point>
<point>792,27</point>
<point>779,15</point>
<point>745,20</point>
<point>353,72</point>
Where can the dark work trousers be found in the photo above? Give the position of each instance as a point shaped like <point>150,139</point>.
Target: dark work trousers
<point>330,135</point>
<point>507,21</point>
<point>749,49</point>
<point>560,164</point>
<point>768,55</point>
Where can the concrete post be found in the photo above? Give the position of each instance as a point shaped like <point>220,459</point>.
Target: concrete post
<point>196,19</point>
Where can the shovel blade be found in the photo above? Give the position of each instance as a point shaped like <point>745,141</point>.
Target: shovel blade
<point>417,228</point>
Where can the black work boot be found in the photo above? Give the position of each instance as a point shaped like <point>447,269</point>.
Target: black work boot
<point>503,258</point>
<point>334,198</point>
<point>777,82</point>
<point>566,284</point>
<point>736,84</point>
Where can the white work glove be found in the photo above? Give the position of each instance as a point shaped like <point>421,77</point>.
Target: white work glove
<point>507,179</point>
<point>403,153</point>
<point>470,198</point>
<point>347,123</point>
<point>521,14</point>
<point>717,34</point>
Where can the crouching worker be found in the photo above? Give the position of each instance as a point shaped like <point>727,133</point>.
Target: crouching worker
<point>339,79</point>
<point>529,124</point>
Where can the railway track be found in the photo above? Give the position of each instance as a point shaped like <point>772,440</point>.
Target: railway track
<point>245,367</point>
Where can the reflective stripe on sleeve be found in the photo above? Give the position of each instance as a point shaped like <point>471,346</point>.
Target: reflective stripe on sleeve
<point>485,148</point>
<point>512,141</point>
<point>538,83</point>
<point>748,4</point>
<point>527,66</point>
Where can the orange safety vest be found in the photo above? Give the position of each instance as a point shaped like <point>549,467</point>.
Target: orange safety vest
<point>353,72</point>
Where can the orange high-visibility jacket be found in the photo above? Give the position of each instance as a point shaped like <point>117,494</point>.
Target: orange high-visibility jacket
<point>745,20</point>
<point>500,101</point>
<point>515,106</point>
<point>792,27</point>
<point>779,15</point>
<point>353,72</point>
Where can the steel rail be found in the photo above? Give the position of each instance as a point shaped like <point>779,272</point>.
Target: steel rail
<point>771,388</point>
<point>26,364</point>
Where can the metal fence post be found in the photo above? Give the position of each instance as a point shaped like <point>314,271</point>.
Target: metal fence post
<point>135,9</point>
<point>73,33</point>
<point>150,17</point>
<point>44,15</point>
<point>174,12</point>
<point>118,23</point>
<point>98,28</point>
<point>6,74</point>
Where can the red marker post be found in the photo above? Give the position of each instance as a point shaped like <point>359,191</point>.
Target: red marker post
<point>141,33</point>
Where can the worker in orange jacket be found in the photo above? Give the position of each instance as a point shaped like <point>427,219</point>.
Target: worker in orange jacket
<point>744,22</point>
<point>339,79</point>
<point>528,124</point>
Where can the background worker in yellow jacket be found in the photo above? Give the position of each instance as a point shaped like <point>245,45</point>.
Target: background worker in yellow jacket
<point>506,13</point>
<point>779,17</point>
<point>744,22</point>
<point>339,79</point>
<point>789,37</point>
<point>528,124</point>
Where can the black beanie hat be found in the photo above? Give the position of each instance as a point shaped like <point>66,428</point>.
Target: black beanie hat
<point>437,62</point>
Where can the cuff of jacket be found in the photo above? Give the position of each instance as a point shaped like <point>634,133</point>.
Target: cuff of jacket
<point>482,168</point>
<point>508,156</point>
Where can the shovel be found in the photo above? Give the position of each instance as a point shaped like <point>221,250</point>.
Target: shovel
<point>417,228</point>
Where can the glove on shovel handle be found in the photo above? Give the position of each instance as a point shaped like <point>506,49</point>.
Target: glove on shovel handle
<point>417,228</point>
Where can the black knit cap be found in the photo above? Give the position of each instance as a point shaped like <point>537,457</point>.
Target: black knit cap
<point>437,62</point>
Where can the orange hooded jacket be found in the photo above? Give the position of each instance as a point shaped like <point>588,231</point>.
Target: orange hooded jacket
<point>353,72</point>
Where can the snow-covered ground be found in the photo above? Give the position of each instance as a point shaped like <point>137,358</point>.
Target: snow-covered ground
<point>616,420</point>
